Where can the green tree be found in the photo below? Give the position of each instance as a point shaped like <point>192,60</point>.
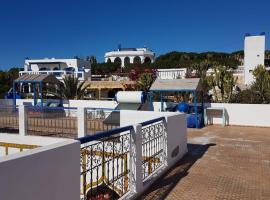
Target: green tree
<point>145,81</point>
<point>262,83</point>
<point>6,80</point>
<point>224,81</point>
<point>71,88</point>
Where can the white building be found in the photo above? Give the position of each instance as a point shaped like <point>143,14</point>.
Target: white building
<point>58,67</point>
<point>254,55</point>
<point>172,73</point>
<point>130,55</point>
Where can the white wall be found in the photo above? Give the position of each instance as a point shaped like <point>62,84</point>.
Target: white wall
<point>245,114</point>
<point>28,140</point>
<point>68,103</point>
<point>254,55</point>
<point>51,172</point>
<point>175,125</point>
<point>171,73</point>
<point>92,104</point>
<point>237,114</point>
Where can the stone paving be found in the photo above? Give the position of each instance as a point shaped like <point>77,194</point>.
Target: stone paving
<point>222,163</point>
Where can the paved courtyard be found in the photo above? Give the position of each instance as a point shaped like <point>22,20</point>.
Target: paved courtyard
<point>222,163</point>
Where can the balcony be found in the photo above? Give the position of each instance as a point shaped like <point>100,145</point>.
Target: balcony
<point>59,74</point>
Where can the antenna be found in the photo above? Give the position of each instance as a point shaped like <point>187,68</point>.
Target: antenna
<point>119,47</point>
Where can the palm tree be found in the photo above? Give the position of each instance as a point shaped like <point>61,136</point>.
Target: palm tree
<point>145,81</point>
<point>71,88</point>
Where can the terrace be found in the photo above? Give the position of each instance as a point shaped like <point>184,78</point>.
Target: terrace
<point>121,161</point>
<point>221,163</point>
<point>123,154</point>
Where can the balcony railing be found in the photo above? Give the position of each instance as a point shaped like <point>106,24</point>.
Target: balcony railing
<point>9,119</point>
<point>107,159</point>
<point>57,73</point>
<point>105,164</point>
<point>52,121</point>
<point>153,146</point>
<point>101,120</point>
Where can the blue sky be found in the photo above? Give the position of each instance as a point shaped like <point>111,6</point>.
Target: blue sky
<point>63,29</point>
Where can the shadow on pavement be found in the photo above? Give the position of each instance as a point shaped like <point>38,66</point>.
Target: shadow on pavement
<point>162,187</point>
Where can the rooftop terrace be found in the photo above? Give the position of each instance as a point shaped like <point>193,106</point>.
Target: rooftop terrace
<point>222,163</point>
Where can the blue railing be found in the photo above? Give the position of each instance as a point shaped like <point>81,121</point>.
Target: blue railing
<point>104,134</point>
<point>153,145</point>
<point>152,121</point>
<point>105,159</point>
<point>105,164</point>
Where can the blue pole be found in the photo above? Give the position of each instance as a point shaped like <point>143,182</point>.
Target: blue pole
<point>41,98</point>
<point>35,95</point>
<point>151,101</point>
<point>202,109</point>
<point>195,107</point>
<point>14,94</point>
<point>161,101</point>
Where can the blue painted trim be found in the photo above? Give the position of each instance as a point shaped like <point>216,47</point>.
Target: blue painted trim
<point>196,110</point>
<point>35,95</point>
<point>161,102</point>
<point>152,121</point>
<point>104,134</point>
<point>14,94</point>
<point>41,97</point>
<point>151,101</point>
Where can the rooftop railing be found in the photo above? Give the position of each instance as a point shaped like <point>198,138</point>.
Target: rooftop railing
<point>105,164</point>
<point>9,119</point>
<point>101,120</point>
<point>108,169</point>
<point>52,121</point>
<point>153,145</point>
<point>57,73</point>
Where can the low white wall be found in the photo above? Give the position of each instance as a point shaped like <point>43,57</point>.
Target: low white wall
<point>91,104</point>
<point>67,103</point>
<point>51,172</point>
<point>236,114</point>
<point>131,117</point>
<point>28,140</point>
<point>243,114</point>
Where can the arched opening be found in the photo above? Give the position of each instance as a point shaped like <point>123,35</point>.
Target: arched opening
<point>126,61</point>
<point>109,60</point>
<point>137,60</point>
<point>147,60</point>
<point>56,68</point>
<point>117,61</point>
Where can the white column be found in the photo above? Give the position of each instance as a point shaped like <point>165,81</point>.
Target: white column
<point>176,138</point>
<point>29,87</point>
<point>136,179</point>
<point>131,59</point>
<point>22,120</point>
<point>122,61</point>
<point>81,117</point>
<point>142,59</point>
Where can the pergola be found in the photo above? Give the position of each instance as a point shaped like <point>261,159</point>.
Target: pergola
<point>35,79</point>
<point>192,85</point>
